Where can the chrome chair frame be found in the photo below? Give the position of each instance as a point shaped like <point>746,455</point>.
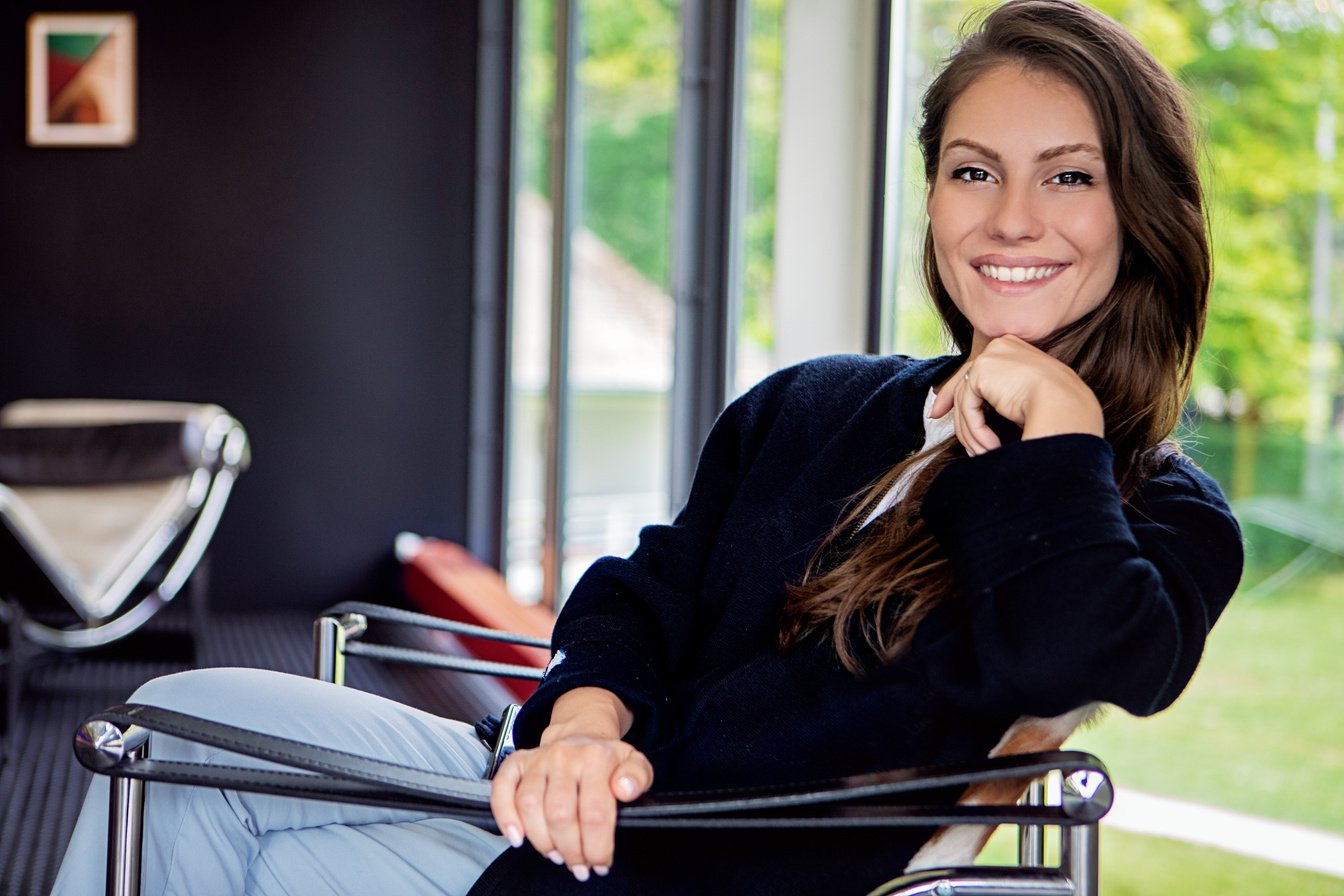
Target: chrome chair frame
<point>1079,798</point>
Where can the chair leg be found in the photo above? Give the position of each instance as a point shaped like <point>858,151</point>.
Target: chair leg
<point>1079,850</point>
<point>198,605</point>
<point>1031,837</point>
<point>124,835</point>
<point>329,636</point>
<point>101,746</point>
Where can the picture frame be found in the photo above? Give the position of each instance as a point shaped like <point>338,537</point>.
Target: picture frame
<point>81,79</point>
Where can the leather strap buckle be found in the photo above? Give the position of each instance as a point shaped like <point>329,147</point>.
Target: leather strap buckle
<point>504,744</point>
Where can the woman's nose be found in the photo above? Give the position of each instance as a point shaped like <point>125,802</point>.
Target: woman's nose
<point>1015,215</point>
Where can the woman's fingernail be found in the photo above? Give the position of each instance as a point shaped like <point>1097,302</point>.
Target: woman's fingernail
<point>580,873</point>
<point>601,870</point>
<point>513,835</point>
<point>555,857</point>
<point>627,787</point>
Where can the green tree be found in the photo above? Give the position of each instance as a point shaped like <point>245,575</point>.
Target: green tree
<point>625,100</point>
<point>1259,72</point>
<point>628,77</point>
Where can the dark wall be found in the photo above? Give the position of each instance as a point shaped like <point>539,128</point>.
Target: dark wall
<point>289,237</point>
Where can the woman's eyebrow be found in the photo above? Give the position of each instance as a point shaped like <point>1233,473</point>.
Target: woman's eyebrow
<point>1055,152</point>
<point>979,148</point>
<point>1044,155</point>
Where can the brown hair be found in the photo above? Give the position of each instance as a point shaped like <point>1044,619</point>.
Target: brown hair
<point>1136,350</point>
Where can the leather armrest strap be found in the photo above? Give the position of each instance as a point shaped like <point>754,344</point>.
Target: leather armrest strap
<point>330,774</point>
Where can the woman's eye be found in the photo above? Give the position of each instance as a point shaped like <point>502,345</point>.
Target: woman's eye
<point>1072,179</point>
<point>970,173</point>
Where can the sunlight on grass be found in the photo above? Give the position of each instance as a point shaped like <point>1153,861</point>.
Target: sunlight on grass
<point>1134,865</point>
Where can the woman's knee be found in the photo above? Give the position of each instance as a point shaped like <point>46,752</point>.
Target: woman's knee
<point>212,692</point>
<point>172,691</point>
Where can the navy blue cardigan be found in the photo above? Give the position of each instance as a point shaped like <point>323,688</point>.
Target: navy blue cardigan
<point>1069,595</point>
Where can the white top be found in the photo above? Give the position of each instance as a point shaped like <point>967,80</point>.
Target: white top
<point>935,431</point>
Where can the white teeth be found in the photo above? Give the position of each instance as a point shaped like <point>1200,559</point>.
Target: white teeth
<point>1017,275</point>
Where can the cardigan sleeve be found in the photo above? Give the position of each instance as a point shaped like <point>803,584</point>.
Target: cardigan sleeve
<point>1069,593</point>
<point>630,619</point>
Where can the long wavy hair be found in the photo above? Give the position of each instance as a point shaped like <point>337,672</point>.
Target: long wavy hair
<point>1136,350</point>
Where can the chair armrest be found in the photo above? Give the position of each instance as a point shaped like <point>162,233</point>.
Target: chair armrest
<point>115,743</point>
<point>1087,793</point>
<point>856,801</point>
<point>383,613</point>
<point>338,630</point>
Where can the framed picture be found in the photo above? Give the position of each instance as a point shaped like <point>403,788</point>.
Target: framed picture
<point>81,79</point>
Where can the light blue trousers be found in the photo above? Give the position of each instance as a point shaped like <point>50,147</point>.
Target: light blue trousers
<point>201,841</point>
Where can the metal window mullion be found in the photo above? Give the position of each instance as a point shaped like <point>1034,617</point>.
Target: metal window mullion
<point>889,149</point>
<point>706,204</point>
<point>492,288</point>
<point>878,223</point>
<point>563,170</point>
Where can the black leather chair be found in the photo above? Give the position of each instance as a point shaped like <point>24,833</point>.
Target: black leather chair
<point>1065,792</point>
<point>106,510</point>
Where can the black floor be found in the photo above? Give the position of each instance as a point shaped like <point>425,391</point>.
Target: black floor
<point>41,784</point>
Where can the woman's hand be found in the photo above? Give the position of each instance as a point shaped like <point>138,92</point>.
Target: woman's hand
<point>1023,384</point>
<point>562,795</point>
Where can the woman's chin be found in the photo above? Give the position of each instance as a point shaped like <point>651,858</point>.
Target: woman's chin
<point>1026,332</point>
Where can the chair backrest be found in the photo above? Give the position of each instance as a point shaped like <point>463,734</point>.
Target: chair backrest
<point>97,492</point>
<point>959,845</point>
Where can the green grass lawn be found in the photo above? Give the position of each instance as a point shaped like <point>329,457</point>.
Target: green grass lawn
<point>1133,865</point>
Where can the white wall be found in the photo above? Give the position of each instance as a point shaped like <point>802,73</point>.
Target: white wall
<point>824,178</point>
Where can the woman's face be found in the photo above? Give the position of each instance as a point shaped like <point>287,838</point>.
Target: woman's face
<point>1024,230</point>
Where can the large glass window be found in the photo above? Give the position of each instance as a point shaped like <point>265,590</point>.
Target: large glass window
<point>1266,419</point>
<point>591,443</point>
<point>614,363</point>
<point>760,125</point>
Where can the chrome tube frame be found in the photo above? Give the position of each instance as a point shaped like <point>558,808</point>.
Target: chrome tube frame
<point>1079,848</point>
<point>1031,837</point>
<point>101,744</point>
<point>126,817</point>
<point>1083,795</point>
<point>330,634</point>
<point>981,881</point>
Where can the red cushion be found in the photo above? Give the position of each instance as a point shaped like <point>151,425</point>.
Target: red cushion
<point>445,580</point>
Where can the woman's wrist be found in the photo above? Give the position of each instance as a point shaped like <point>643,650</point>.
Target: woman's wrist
<point>1073,409</point>
<point>588,712</point>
